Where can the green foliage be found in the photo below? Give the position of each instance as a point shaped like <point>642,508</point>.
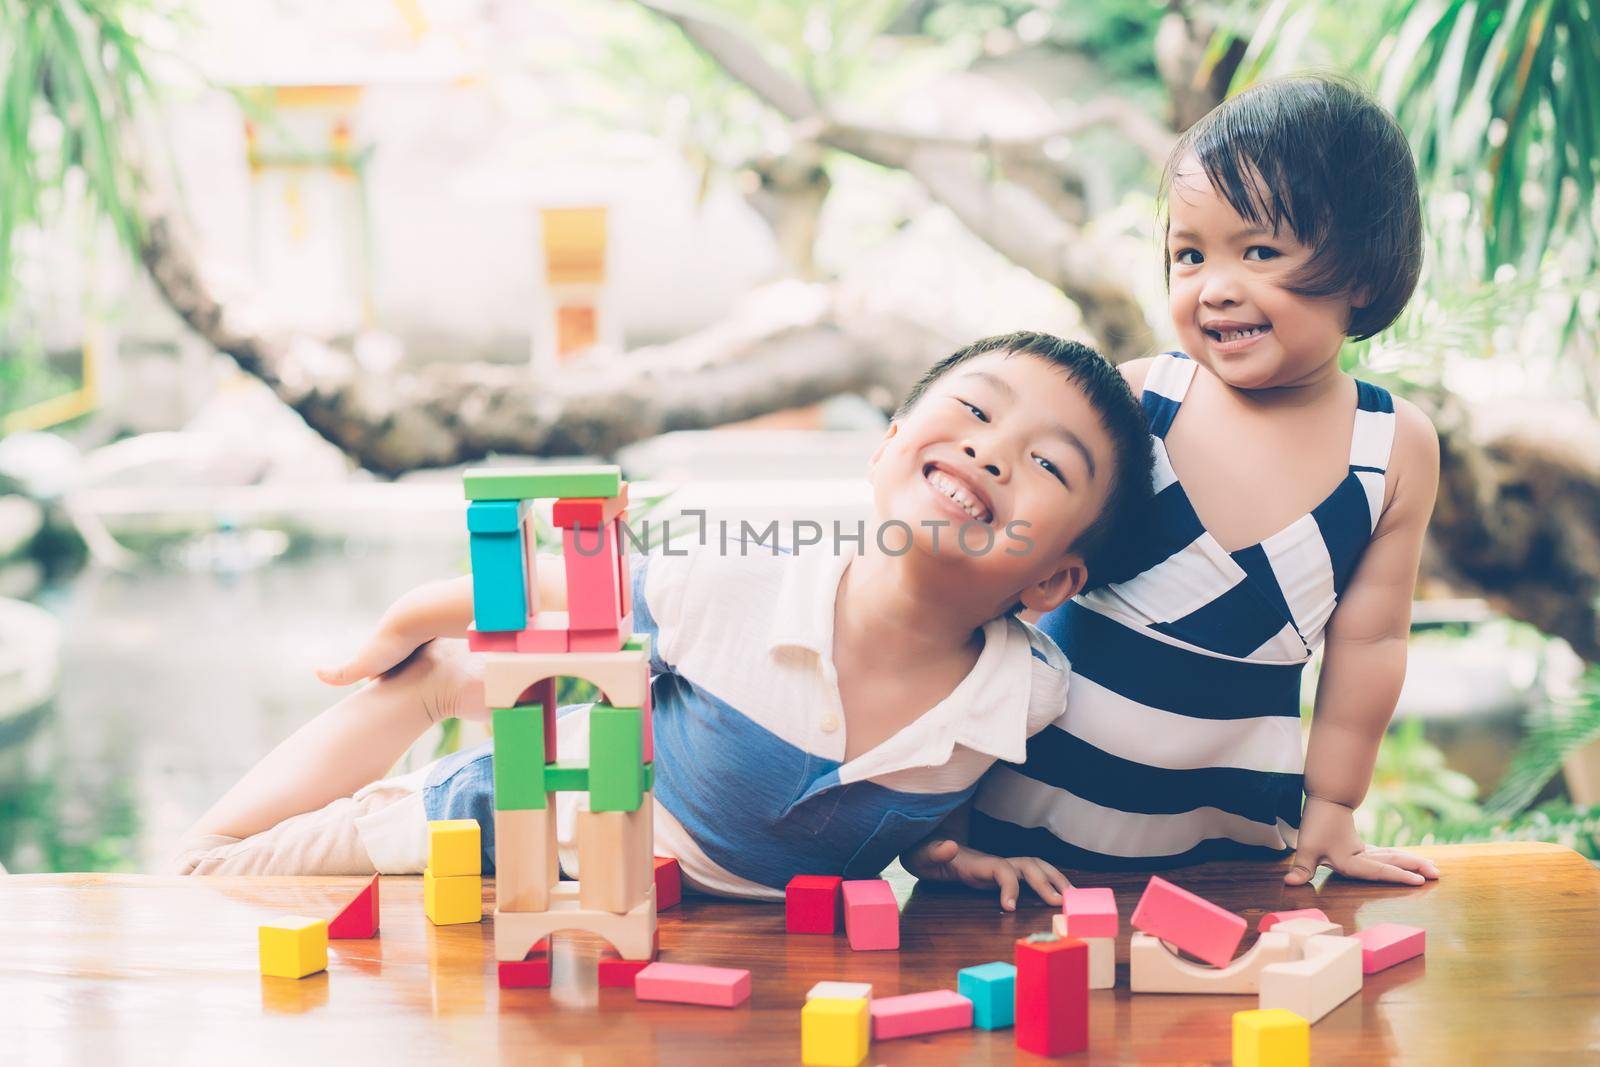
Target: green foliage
<point>1553,735</point>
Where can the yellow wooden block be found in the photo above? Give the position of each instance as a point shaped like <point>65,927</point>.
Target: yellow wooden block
<point>834,1033</point>
<point>1271,1037</point>
<point>448,901</point>
<point>455,847</point>
<point>294,947</point>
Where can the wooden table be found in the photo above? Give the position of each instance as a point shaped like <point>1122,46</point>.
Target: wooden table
<point>113,968</point>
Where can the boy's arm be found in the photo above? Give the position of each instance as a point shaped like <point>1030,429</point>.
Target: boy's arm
<point>1364,666</point>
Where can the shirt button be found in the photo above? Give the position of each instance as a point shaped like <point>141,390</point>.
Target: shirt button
<point>829,724</point>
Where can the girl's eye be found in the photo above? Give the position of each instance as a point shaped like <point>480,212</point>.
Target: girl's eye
<point>1053,469</point>
<point>976,411</point>
<point>1266,252</point>
<point>1194,262</point>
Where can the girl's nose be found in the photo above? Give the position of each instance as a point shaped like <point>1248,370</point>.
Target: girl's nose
<point>1219,289</point>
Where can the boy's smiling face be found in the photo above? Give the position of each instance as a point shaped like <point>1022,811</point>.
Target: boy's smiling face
<point>1229,297</point>
<point>1007,441</point>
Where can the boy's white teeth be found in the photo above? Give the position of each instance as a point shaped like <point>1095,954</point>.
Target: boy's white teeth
<point>955,491</point>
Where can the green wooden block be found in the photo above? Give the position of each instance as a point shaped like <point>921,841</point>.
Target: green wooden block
<point>536,483</point>
<point>650,776</point>
<point>566,777</point>
<point>519,783</point>
<point>616,758</point>
<point>638,643</point>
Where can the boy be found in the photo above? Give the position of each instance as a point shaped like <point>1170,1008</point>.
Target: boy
<point>819,711</point>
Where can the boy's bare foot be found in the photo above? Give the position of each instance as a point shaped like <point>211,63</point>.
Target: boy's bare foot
<point>443,677</point>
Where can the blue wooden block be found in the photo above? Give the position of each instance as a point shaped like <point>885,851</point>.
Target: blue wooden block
<point>992,988</point>
<point>499,582</point>
<point>494,516</point>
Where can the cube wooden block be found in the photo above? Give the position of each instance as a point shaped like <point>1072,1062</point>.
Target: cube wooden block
<point>1190,922</point>
<point>526,867</point>
<point>589,511</point>
<point>1329,975</point>
<point>538,483</point>
<point>1387,944</point>
<point>358,919</point>
<point>455,847</point>
<point>920,1013</point>
<point>834,1032</point>
<point>590,558</point>
<point>1090,912</point>
<point>519,759</point>
<point>1271,1038</point>
<point>1273,918</point>
<point>811,904</point>
<point>992,988</point>
<point>684,983</point>
<point>615,865</point>
<point>530,972</point>
<point>871,916</point>
<point>669,882</point>
<point>293,947</point>
<point>841,991</point>
<point>454,900</point>
<point>1052,995</point>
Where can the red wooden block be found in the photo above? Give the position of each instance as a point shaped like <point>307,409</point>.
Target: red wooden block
<point>1052,995</point>
<point>811,904</point>
<point>590,558</point>
<point>624,570</point>
<point>1090,912</point>
<point>530,972</point>
<point>359,919</point>
<point>919,1013</point>
<point>1191,922</point>
<point>1387,944</point>
<point>614,972</point>
<point>647,751</point>
<point>1273,918</point>
<point>871,916</point>
<point>589,511</point>
<point>669,883</point>
<point>686,983</point>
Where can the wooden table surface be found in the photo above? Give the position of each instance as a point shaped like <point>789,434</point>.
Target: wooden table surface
<point>133,969</point>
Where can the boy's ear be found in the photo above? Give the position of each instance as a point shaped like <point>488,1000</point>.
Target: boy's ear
<point>1058,588</point>
<point>877,453</point>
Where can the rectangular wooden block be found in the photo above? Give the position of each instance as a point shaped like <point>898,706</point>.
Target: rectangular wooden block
<point>293,947</point>
<point>454,900</point>
<point>546,632</point>
<point>811,904</point>
<point>1329,975</point>
<point>834,1032</point>
<point>538,483</point>
<point>1191,922</point>
<point>526,868</point>
<point>358,919</point>
<point>1090,912</point>
<point>455,847</point>
<point>519,759</point>
<point>685,983</point>
<point>1052,995</point>
<point>992,988</point>
<point>591,512</point>
<point>616,758</point>
<point>871,916</point>
<point>1102,955</point>
<point>920,1013</point>
<point>841,991</point>
<point>1271,1038</point>
<point>614,972</point>
<point>566,776</point>
<point>499,582</point>
<point>530,972</point>
<point>615,865</point>
<point>1387,944</point>
<point>669,882</point>
<point>590,559</point>
<point>1273,918</point>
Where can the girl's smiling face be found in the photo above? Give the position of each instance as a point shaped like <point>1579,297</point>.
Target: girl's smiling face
<point>1229,291</point>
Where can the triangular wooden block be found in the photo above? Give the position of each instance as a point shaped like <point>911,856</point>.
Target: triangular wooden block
<point>359,919</point>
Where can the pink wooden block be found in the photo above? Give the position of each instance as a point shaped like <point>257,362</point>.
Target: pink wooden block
<point>599,640</point>
<point>589,511</point>
<point>687,983</point>
<point>590,558</point>
<point>1387,944</point>
<point>919,1013</point>
<point>1090,912</point>
<point>871,916</point>
<point>547,632</point>
<point>648,752</point>
<point>1273,918</point>
<point>624,568</point>
<point>1191,922</point>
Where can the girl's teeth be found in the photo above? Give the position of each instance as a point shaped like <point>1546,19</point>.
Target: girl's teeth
<point>1234,335</point>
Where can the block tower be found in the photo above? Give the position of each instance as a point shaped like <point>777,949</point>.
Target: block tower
<point>526,650</point>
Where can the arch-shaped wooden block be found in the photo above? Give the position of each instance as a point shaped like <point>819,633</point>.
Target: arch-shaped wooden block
<point>1153,968</point>
<point>632,935</point>
<point>622,677</point>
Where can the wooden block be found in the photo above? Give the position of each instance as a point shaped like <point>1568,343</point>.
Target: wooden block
<point>359,918</point>
<point>615,865</point>
<point>622,677</point>
<point>1190,922</point>
<point>566,776</point>
<point>920,1013</point>
<point>616,758</point>
<point>526,868</point>
<point>1273,918</point>
<point>589,511</point>
<point>539,483</point>
<point>687,983</point>
<point>455,847</point>
<point>1329,975</point>
<point>454,900</point>
<point>499,581</point>
<point>633,935</point>
<point>530,972</point>
<point>871,916</point>
<point>293,947</point>
<point>1052,995</point>
<point>841,991</point>
<point>834,1032</point>
<point>601,640</point>
<point>546,631</point>
<point>1299,930</point>
<point>1153,968</point>
<point>1387,944</point>
<point>1102,955</point>
<point>811,904</point>
<point>519,759</point>
<point>1271,1038</point>
<point>1090,912</point>
<point>494,517</point>
<point>992,988</point>
<point>647,733</point>
<point>669,882</point>
<point>614,972</point>
<point>590,558</point>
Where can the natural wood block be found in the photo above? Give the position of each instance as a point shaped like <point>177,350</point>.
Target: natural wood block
<point>622,677</point>
<point>615,862</point>
<point>526,867</point>
<point>1329,975</point>
<point>1153,968</point>
<point>841,991</point>
<point>633,935</point>
<point>1273,918</point>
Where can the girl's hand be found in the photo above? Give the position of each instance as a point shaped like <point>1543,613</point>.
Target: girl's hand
<point>945,860</point>
<point>1328,836</point>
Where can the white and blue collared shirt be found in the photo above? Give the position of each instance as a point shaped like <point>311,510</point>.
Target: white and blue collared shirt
<point>751,783</point>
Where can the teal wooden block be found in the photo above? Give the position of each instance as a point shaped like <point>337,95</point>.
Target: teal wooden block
<point>499,582</point>
<point>616,758</point>
<point>494,516</point>
<point>519,780</point>
<point>537,483</point>
<point>566,777</point>
<point>992,988</point>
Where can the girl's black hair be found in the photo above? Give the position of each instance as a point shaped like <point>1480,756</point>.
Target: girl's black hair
<point>1317,153</point>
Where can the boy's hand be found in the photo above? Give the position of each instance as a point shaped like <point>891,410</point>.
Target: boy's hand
<point>945,860</point>
<point>1328,836</point>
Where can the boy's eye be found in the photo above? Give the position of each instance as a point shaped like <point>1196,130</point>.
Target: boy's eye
<point>1052,469</point>
<point>975,410</point>
<point>1266,252</point>
<point>1197,259</point>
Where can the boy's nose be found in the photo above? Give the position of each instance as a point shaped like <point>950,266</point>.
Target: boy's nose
<point>987,464</point>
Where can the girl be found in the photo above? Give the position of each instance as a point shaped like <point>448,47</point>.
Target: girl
<point>1290,507</point>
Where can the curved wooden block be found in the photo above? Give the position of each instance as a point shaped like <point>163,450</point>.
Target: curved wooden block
<point>622,677</point>
<point>1153,968</point>
<point>633,935</point>
<point>1329,975</point>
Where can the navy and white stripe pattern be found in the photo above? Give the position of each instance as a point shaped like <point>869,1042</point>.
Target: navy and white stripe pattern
<point>1181,737</point>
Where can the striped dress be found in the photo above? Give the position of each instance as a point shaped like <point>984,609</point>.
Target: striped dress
<point>1181,737</point>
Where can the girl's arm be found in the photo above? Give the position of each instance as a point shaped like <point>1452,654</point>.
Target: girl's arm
<point>1364,666</point>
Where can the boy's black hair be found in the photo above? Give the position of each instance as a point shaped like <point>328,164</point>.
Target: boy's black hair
<point>1319,154</point>
<point>1120,414</point>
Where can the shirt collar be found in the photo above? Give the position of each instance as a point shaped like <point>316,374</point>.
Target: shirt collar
<point>802,617</point>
